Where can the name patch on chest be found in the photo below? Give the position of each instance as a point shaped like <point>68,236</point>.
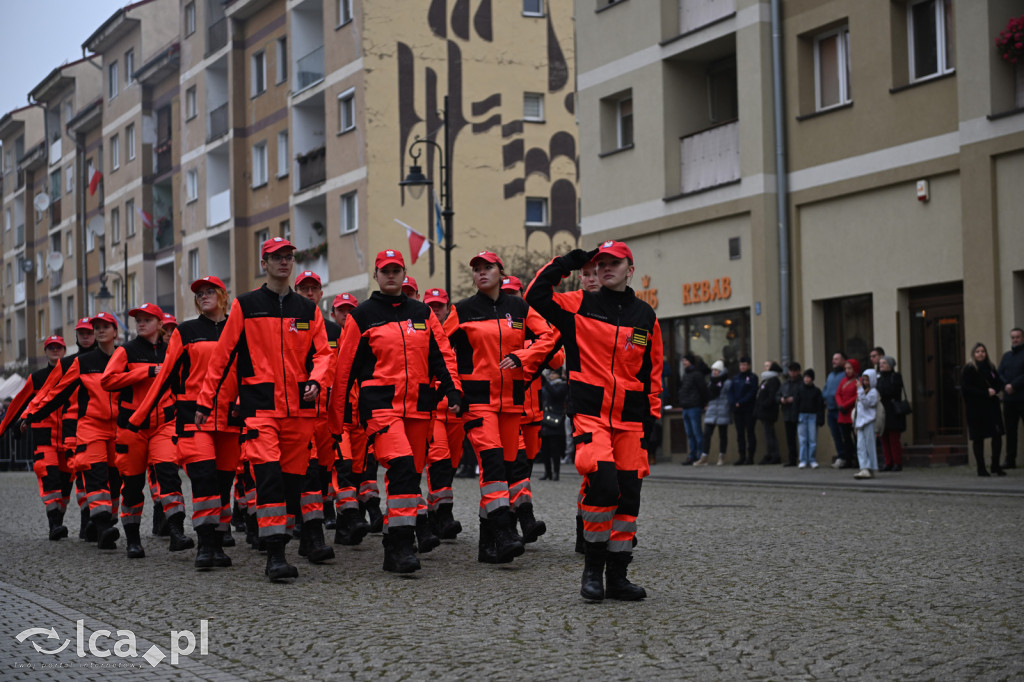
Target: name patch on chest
<point>639,336</point>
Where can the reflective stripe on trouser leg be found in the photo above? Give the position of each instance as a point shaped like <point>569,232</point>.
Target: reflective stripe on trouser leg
<point>132,498</point>
<point>225,481</point>
<point>48,476</point>
<point>169,484</point>
<point>97,489</point>
<point>311,501</point>
<point>80,495</point>
<point>439,482</point>
<point>403,488</point>
<point>345,497</point>
<point>599,504</point>
<point>624,522</point>
<point>518,476</point>
<point>206,500</point>
<point>270,508</point>
<point>484,432</point>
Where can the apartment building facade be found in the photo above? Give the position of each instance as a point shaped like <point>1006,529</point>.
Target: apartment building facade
<point>901,139</point>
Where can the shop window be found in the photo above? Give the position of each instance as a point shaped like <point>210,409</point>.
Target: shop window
<point>849,327</point>
<point>721,336</point>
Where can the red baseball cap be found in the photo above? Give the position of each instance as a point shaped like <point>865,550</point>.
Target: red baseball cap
<point>147,309</point>
<point>50,340</point>
<point>511,283</point>
<point>344,299</point>
<point>435,296</point>
<point>487,257</point>
<point>169,319</point>
<point>617,249</point>
<point>212,280</point>
<point>388,256</point>
<point>84,324</point>
<point>103,317</point>
<point>307,274</point>
<point>275,244</point>
<point>410,283</point>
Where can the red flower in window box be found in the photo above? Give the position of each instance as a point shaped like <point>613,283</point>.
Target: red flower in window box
<point>1010,41</point>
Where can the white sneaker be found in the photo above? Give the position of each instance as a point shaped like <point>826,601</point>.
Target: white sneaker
<point>838,464</point>
<point>721,459</point>
<point>702,461</point>
<point>814,464</point>
<point>801,465</point>
<point>864,473</point>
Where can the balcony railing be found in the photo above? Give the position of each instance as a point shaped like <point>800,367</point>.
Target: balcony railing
<point>311,69</point>
<point>218,124</point>
<point>19,291</point>
<point>164,163</point>
<point>696,13</point>
<point>710,157</point>
<point>216,35</point>
<point>218,208</point>
<point>312,167</point>
<point>56,278</point>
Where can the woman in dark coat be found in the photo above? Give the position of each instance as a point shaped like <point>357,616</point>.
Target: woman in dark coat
<point>890,390</point>
<point>553,393</point>
<point>980,385</point>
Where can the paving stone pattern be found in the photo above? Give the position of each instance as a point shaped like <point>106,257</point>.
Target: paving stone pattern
<point>751,575</point>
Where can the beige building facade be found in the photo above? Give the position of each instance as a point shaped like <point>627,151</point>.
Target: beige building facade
<point>903,138</point>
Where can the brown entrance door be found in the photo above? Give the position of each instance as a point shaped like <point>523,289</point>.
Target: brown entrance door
<point>937,357</point>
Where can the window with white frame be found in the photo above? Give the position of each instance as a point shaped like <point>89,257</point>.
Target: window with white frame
<point>285,229</point>
<point>69,109</point>
<point>344,11</point>
<point>40,272</point>
<point>115,226</point>
<point>349,213</point>
<point>624,122</point>
<point>112,83</point>
<point>930,37</point>
<point>193,265</point>
<point>69,179</point>
<point>533,8</point>
<point>283,161</point>
<point>90,240</point>
<point>259,164</point>
<point>69,241</point>
<point>536,211</point>
<point>129,140</point>
<point>129,217</point>
<point>261,236</point>
<point>832,68</point>
<point>190,18</point>
<point>115,152</point>
<point>282,59</point>
<point>533,106</point>
<point>192,185</point>
<point>129,66</point>
<point>347,110</point>
<point>8,219</point>
<point>191,109</point>
<point>258,81</point>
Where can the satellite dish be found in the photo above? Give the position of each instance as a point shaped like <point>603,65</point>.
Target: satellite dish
<point>96,226</point>
<point>26,264</point>
<point>41,202</point>
<point>55,261</point>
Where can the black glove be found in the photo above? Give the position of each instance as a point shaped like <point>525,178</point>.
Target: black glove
<point>455,398</point>
<point>576,259</point>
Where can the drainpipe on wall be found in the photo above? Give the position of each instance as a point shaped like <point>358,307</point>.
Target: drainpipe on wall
<point>781,181</point>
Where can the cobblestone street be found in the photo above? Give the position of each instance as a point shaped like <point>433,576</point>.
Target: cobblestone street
<point>752,572</point>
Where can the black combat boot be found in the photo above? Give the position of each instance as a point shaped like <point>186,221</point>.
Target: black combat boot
<point>133,541</point>
<point>532,528</point>
<point>399,556</point>
<point>425,538</point>
<point>617,584</point>
<point>86,531</point>
<point>58,530</point>
<point>448,528</point>
<point>278,567</point>
<point>592,582</point>
<point>176,526</point>
<point>311,543</point>
<point>376,517</point>
<point>106,533</point>
<point>160,528</point>
<point>507,544</point>
<point>204,551</point>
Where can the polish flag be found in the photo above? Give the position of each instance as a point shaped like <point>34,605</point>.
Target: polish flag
<point>94,181</point>
<point>147,219</point>
<point>418,244</point>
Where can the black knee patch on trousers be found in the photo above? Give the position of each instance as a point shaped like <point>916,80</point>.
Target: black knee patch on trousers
<point>629,492</point>
<point>519,468</point>
<point>402,478</point>
<point>293,486</point>
<point>441,474</point>
<point>602,486</point>
<point>167,478</point>
<point>131,491</point>
<point>204,478</point>
<point>492,465</point>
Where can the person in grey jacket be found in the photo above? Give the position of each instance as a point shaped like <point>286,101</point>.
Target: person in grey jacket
<point>790,414</point>
<point>718,413</point>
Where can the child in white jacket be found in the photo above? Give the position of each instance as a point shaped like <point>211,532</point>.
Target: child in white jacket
<point>867,409</point>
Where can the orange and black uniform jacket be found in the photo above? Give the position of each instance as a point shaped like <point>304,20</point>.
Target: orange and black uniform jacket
<point>45,431</point>
<point>192,345</point>
<point>613,350</point>
<point>279,345</point>
<point>96,406</point>
<point>393,347</point>
<point>69,413</point>
<point>333,330</point>
<point>482,332</point>
<point>131,371</point>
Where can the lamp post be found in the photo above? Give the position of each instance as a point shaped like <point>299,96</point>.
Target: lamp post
<point>416,181</point>
<point>104,293</point>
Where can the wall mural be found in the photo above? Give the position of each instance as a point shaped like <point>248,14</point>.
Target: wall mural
<point>458,27</point>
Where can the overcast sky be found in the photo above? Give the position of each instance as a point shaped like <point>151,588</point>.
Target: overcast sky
<point>37,36</point>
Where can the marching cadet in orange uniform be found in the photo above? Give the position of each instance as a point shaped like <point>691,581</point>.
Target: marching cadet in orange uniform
<point>47,458</point>
<point>131,371</point>
<point>94,452</point>
<point>86,338</point>
<point>393,347</point>
<point>613,355</point>
<point>445,451</point>
<point>209,453</point>
<point>351,528</point>
<point>315,491</point>
<point>488,332</point>
<point>278,342</point>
